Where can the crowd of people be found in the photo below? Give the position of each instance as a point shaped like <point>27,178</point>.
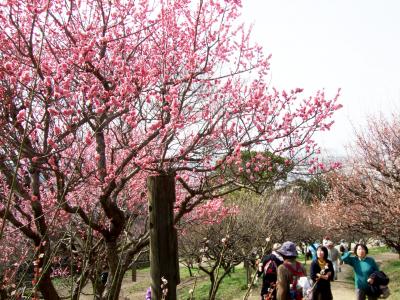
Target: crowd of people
<point>284,278</point>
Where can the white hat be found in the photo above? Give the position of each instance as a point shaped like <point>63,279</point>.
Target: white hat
<point>276,246</point>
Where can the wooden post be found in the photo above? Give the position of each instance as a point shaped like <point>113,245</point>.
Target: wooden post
<point>163,236</point>
<point>248,271</point>
<point>134,272</point>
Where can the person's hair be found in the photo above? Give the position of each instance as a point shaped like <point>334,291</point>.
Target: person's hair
<point>325,250</point>
<point>360,245</point>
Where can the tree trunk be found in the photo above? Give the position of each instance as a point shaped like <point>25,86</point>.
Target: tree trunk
<point>163,236</point>
<point>43,270</point>
<point>212,293</point>
<point>98,285</point>
<point>116,272</point>
<point>98,288</point>
<point>216,283</point>
<point>190,270</point>
<point>3,294</point>
<point>47,288</point>
<point>80,284</point>
<point>116,285</point>
<point>215,287</point>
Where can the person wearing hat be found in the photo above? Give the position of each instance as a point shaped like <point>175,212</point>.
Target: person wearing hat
<point>289,273</point>
<point>268,269</point>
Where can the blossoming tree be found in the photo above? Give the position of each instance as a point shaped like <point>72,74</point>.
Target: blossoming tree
<point>253,224</point>
<point>97,95</point>
<point>365,199</point>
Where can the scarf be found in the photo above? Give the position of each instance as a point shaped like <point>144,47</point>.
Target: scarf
<point>321,263</point>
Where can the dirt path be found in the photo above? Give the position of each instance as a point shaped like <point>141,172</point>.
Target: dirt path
<point>343,287</point>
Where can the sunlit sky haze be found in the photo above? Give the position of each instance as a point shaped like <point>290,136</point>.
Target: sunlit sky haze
<point>329,44</point>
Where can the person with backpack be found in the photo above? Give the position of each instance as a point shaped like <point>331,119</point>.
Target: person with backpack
<point>322,273</point>
<point>268,269</point>
<point>289,273</point>
<point>363,267</point>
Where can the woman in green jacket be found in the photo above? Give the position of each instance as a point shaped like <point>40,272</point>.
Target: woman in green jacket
<point>363,266</point>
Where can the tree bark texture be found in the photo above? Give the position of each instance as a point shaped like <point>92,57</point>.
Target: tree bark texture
<point>163,236</point>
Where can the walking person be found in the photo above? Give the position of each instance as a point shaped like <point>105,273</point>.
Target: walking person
<point>342,245</point>
<point>268,269</point>
<point>289,273</point>
<point>326,240</point>
<point>312,250</point>
<point>363,267</point>
<point>333,256</point>
<point>322,273</point>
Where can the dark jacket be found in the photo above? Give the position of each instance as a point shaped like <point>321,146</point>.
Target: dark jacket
<point>268,278</point>
<point>322,289</point>
<point>380,280</point>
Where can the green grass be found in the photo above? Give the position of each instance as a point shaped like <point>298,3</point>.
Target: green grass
<point>139,285</point>
<point>142,285</point>
<point>378,250</point>
<point>233,286</point>
<point>184,272</point>
<point>391,268</point>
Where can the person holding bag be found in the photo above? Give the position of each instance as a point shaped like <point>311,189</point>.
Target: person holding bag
<point>363,267</point>
<point>322,273</point>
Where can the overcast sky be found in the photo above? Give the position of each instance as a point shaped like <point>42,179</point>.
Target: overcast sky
<point>329,44</point>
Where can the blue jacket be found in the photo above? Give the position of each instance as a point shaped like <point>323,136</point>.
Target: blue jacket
<point>313,249</point>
